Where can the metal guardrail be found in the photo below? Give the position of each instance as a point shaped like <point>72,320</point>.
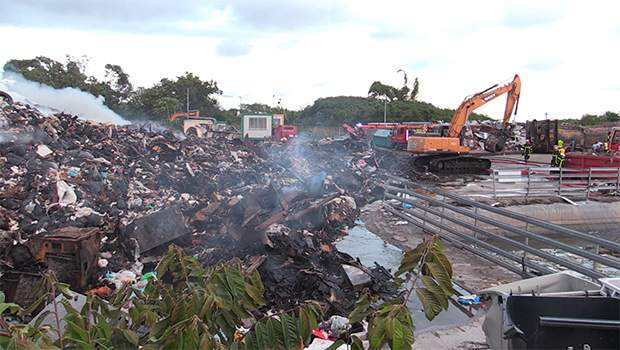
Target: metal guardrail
<point>469,224</point>
<point>567,182</point>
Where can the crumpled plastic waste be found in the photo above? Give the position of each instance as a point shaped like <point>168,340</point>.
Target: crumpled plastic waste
<point>121,277</point>
<point>470,300</point>
<point>66,195</point>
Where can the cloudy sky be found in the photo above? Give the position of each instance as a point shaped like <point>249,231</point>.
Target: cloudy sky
<point>296,51</point>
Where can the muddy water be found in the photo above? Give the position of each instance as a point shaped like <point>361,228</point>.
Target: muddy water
<point>370,248</point>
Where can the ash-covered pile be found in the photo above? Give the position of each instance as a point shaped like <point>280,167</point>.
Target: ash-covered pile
<point>94,199</point>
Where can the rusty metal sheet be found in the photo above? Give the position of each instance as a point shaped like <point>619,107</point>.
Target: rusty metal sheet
<point>65,241</point>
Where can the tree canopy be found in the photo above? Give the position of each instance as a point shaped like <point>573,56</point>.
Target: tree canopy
<point>391,93</point>
<point>596,120</point>
<point>334,111</point>
<point>187,91</point>
<point>168,96</point>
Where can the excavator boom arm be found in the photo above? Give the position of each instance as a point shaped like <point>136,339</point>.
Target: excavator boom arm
<point>477,100</point>
<point>194,113</point>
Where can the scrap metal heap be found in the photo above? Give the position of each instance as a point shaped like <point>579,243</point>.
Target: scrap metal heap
<point>89,200</point>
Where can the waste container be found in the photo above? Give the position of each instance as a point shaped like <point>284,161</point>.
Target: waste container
<point>585,322</point>
<point>383,138</point>
<point>556,311</point>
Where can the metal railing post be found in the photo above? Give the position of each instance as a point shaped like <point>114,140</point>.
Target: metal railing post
<point>443,211</point>
<point>589,183</point>
<point>594,263</point>
<point>527,242</point>
<point>494,192</point>
<point>458,221</point>
<point>476,221</point>
<point>529,179</point>
<point>560,183</point>
<point>425,214</point>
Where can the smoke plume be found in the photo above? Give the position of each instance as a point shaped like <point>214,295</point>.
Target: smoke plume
<point>49,100</point>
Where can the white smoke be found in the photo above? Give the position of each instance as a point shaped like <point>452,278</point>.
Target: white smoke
<point>49,100</point>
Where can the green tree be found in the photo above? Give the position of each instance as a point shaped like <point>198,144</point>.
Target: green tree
<point>115,91</point>
<point>391,93</point>
<point>186,306</point>
<point>200,94</point>
<point>611,116</point>
<point>118,79</point>
<point>49,72</point>
<point>334,111</point>
<point>416,90</point>
<point>378,90</point>
<point>259,108</point>
<point>166,106</point>
<point>403,94</point>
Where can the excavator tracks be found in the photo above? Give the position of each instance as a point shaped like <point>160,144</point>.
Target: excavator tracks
<point>453,164</point>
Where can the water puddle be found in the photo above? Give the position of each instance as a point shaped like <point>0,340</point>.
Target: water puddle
<point>370,248</point>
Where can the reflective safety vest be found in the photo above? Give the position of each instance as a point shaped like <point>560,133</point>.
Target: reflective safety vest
<point>527,150</point>
<point>560,161</point>
<point>554,159</point>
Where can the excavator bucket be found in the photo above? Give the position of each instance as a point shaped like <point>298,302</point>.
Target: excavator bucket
<point>5,99</point>
<point>496,143</point>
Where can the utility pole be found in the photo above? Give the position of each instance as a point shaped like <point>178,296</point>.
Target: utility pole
<point>239,104</point>
<point>187,101</point>
<point>385,111</point>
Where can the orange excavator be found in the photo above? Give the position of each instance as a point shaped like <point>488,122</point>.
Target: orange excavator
<point>443,151</point>
<point>193,113</point>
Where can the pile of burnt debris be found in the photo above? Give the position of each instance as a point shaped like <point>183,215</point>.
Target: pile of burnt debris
<point>91,200</point>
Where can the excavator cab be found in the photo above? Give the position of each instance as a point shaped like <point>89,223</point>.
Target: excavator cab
<point>441,130</point>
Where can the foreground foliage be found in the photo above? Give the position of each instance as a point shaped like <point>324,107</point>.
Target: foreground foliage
<point>390,322</point>
<point>190,307</point>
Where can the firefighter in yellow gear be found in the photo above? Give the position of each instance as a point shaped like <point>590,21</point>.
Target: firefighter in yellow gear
<point>561,158</point>
<point>554,157</point>
<point>527,150</point>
